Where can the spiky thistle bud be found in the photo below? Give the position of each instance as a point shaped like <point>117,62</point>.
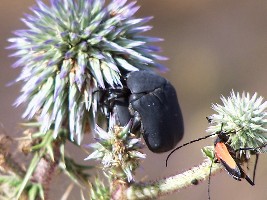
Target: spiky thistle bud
<point>244,118</point>
<point>118,150</point>
<point>73,48</point>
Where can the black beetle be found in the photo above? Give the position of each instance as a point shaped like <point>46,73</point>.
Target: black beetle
<point>152,103</point>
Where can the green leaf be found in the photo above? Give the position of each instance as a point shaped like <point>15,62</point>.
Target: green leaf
<point>33,192</point>
<point>208,151</point>
<point>35,160</point>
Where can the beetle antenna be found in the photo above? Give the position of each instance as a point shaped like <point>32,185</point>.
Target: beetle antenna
<point>252,148</point>
<point>210,178</point>
<point>202,138</point>
<point>255,167</point>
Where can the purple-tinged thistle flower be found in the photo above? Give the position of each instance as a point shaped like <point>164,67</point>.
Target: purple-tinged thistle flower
<point>73,48</point>
<point>118,150</point>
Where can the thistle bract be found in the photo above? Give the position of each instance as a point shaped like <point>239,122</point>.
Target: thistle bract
<point>73,48</point>
<point>244,119</point>
<point>99,191</point>
<point>118,150</point>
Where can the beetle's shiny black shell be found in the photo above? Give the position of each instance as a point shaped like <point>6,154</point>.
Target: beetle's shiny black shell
<point>155,100</point>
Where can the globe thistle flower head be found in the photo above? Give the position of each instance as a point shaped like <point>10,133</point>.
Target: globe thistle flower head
<point>118,150</point>
<point>71,49</point>
<point>244,119</point>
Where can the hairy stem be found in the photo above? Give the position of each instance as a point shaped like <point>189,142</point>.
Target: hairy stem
<point>171,184</point>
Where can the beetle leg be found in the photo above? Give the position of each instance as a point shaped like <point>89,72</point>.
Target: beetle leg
<point>136,126</point>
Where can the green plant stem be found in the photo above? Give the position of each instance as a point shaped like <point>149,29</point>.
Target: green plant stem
<point>171,184</point>
<point>35,160</point>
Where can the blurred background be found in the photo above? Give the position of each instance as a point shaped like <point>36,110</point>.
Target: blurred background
<point>213,47</point>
